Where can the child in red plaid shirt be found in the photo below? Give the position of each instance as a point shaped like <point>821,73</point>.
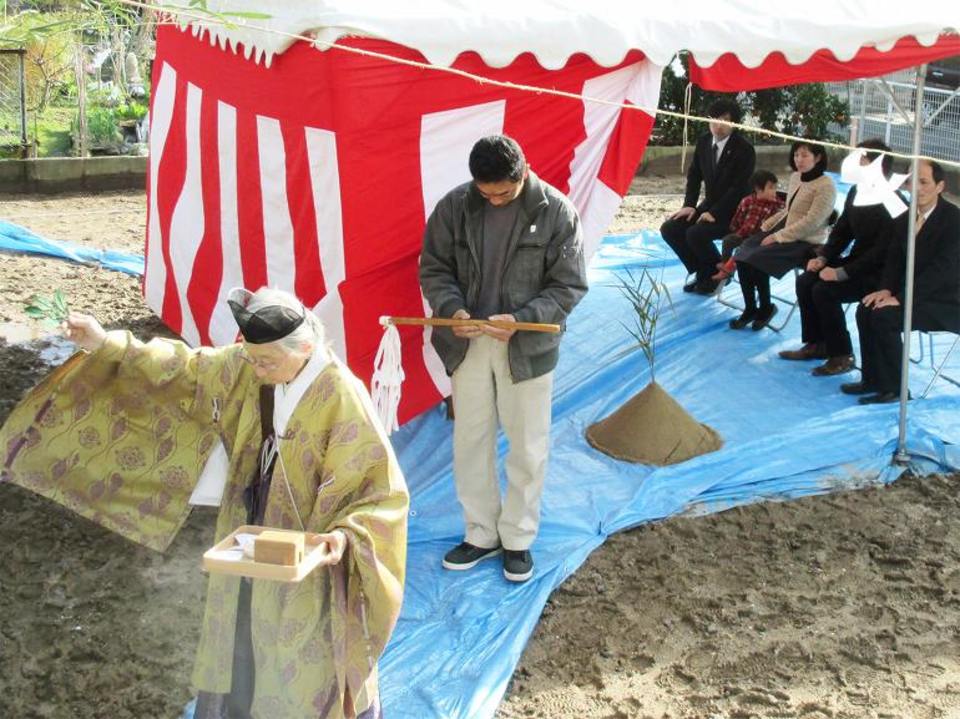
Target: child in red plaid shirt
<point>751,212</point>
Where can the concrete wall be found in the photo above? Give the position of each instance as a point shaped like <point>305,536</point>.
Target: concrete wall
<point>71,174</point>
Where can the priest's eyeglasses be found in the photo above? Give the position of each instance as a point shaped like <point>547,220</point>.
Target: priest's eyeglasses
<point>265,365</point>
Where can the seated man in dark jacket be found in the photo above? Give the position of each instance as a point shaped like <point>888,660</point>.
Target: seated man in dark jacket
<point>936,297</point>
<point>722,162</point>
<point>832,279</point>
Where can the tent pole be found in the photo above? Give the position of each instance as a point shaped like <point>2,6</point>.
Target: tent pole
<point>901,456</point>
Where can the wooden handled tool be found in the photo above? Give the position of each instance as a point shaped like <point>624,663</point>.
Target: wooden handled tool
<point>449,322</point>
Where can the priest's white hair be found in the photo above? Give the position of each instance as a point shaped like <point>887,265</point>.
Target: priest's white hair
<point>309,332</point>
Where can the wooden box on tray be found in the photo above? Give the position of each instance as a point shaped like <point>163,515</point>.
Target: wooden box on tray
<point>290,555</point>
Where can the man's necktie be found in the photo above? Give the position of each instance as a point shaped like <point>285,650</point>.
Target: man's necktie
<point>716,155</point>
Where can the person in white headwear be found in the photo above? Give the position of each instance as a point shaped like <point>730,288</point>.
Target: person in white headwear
<point>120,435</point>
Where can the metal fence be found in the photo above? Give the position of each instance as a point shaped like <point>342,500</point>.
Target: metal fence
<point>883,108</point>
<point>13,102</point>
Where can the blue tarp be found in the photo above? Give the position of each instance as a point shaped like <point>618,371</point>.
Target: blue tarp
<point>20,239</point>
<point>786,434</point>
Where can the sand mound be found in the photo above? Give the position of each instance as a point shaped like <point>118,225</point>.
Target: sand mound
<point>652,428</point>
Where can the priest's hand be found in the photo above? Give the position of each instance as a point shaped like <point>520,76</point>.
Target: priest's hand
<point>336,542</point>
<point>497,333</point>
<point>684,213</point>
<point>84,330</point>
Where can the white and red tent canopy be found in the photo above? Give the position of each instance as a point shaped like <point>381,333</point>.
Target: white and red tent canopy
<point>273,162</point>
<point>758,44</point>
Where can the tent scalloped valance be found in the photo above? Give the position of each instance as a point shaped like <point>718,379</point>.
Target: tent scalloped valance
<point>553,30</point>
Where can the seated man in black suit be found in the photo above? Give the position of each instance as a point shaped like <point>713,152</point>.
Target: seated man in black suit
<point>833,278</point>
<point>936,295</point>
<point>722,162</point>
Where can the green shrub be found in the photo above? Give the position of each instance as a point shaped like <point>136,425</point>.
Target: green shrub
<point>795,110</point>
<point>132,110</point>
<point>102,127</point>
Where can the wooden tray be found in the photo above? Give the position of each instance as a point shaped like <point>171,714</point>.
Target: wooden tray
<point>226,557</point>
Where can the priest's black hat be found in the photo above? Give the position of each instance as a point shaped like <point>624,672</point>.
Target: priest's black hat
<point>268,324</point>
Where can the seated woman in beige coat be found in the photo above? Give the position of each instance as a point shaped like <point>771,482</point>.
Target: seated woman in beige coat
<point>788,237</point>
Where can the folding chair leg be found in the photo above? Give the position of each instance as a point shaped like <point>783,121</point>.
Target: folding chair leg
<point>919,360</point>
<point>938,370</point>
<point>778,328</point>
<point>719,294</point>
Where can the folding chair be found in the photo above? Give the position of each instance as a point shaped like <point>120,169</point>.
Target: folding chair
<point>791,303</point>
<point>937,368</point>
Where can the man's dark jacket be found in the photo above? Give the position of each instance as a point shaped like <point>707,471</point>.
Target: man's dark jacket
<point>868,227</point>
<point>724,185</point>
<point>544,274</point>
<point>936,277</point>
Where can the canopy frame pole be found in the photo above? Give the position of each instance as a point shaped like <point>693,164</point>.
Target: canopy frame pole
<point>888,91</point>
<point>901,456</point>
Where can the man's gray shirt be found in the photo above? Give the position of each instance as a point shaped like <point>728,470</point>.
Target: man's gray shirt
<point>498,225</point>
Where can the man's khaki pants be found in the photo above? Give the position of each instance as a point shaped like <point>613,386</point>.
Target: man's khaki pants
<point>484,392</point>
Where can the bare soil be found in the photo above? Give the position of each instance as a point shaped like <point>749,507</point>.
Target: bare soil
<point>842,606</point>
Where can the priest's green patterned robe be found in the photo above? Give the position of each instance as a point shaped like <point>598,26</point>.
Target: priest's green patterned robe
<point>120,436</point>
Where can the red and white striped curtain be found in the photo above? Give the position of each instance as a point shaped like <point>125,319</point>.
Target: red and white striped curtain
<point>316,175</point>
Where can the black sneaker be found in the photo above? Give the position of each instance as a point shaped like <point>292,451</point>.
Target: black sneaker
<point>517,565</point>
<point>467,556</point>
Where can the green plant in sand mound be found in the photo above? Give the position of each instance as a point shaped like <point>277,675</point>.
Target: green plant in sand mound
<point>645,294</point>
<point>651,427</point>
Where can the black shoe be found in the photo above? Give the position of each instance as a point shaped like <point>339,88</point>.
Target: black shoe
<point>467,556</point>
<point>882,398</point>
<point>744,319</point>
<point>764,315</point>
<point>707,287</point>
<point>517,565</point>
<point>856,388</point>
<point>690,286</point>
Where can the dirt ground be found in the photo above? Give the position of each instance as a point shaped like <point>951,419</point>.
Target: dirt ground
<point>844,606</point>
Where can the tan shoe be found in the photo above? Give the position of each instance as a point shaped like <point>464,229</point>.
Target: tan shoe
<point>833,366</point>
<point>809,351</point>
